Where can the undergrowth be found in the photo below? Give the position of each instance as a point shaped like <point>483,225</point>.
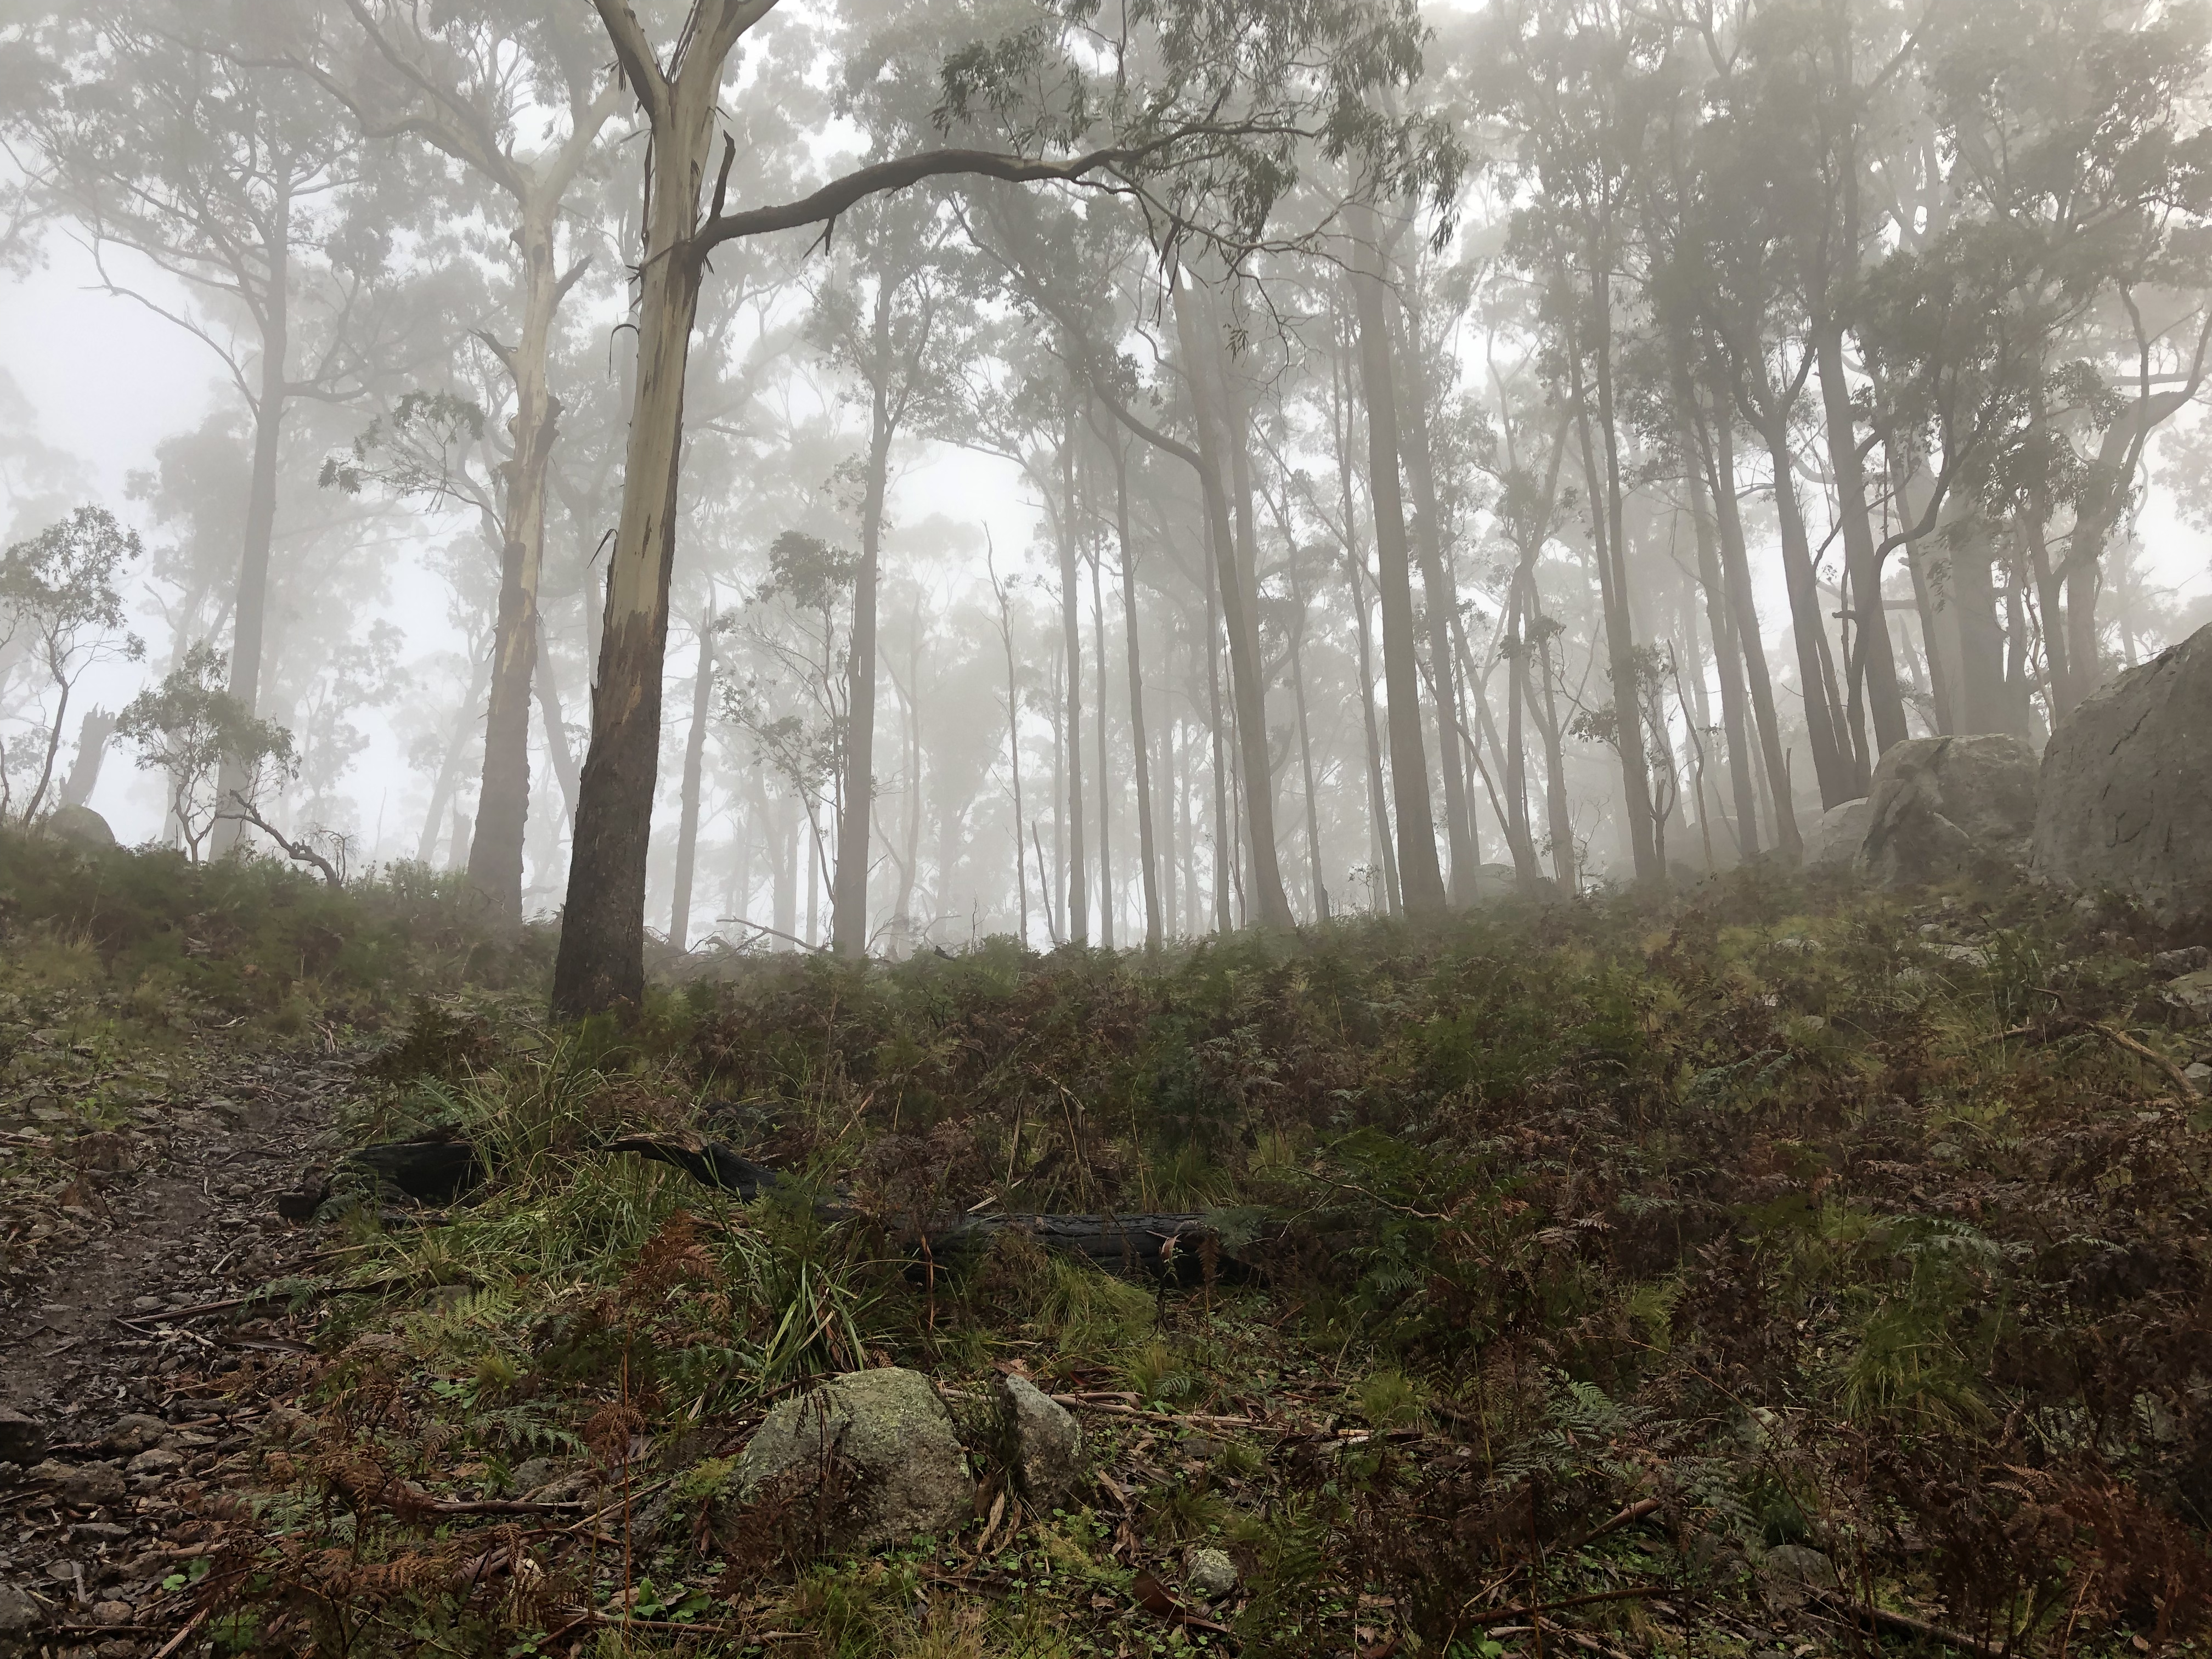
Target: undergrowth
<point>1609,1258</point>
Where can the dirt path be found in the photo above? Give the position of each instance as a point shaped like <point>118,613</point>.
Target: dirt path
<point>126,1398</point>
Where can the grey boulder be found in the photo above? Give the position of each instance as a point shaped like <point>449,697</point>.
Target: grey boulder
<point>1835,840</point>
<point>890,1431</point>
<point>1043,1439</point>
<point>2127,788</point>
<point>80,824</point>
<point>1944,808</point>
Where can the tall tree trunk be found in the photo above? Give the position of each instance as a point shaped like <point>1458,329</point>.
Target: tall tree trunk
<point>1559,826</point>
<point>556,730</point>
<point>449,766</point>
<point>1219,764</point>
<point>1382,853</point>
<point>1982,697</point>
<point>1520,835</point>
<point>1271,907</point>
<point>503,798</point>
<point>250,612</point>
<point>783,878</point>
<point>1838,778</point>
<point>1105,795</point>
<point>848,902</point>
<point>1728,654</point>
<point>92,740</point>
<point>695,757</point>
<point>1148,853</point>
<point>1421,879</point>
<point>1071,625</point>
<point>1442,603</point>
<point>1607,530</point>
<point>1014,755</point>
<point>600,965</point>
<point>1874,657</point>
<point>1735,575</point>
<point>1305,739</point>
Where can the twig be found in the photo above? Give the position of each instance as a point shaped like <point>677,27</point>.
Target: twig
<point>1904,1624</point>
<point>2074,1025</point>
<point>1635,1511</point>
<point>1079,1403</point>
<point>184,1635</point>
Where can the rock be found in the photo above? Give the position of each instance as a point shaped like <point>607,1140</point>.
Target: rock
<point>2188,1000</point>
<point>19,1614</point>
<point>1835,840</point>
<point>81,1486</point>
<point>891,1431</point>
<point>155,1461</point>
<point>1943,808</point>
<point>111,1612</point>
<point>133,1432</point>
<point>80,824</point>
<point>530,1474</point>
<point>1792,1574</point>
<point>1044,1439</point>
<point>1208,1573</point>
<point>2127,788</point>
<point>2199,1075</point>
<point>100,1532</point>
<point>2187,960</point>
<point>23,1439</point>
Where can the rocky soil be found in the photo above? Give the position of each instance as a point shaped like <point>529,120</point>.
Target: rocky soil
<point>144,1329</point>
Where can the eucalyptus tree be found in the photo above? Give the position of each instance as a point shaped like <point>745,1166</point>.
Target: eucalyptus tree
<point>58,597</point>
<point>476,83</point>
<point>162,139</point>
<point>1199,108</point>
<point>892,318</point>
<point>2083,171</point>
<point>1578,85</point>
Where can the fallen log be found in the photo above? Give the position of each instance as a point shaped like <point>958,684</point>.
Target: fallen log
<point>1187,1246</point>
<point>427,1171</point>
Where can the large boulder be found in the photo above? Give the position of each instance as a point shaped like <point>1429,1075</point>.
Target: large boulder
<point>1943,808</point>
<point>1836,839</point>
<point>80,824</point>
<point>2127,788</point>
<point>891,1437</point>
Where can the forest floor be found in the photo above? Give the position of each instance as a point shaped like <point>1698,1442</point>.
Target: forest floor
<point>1774,1270</point>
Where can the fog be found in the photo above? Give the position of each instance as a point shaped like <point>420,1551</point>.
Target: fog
<point>992,427</point>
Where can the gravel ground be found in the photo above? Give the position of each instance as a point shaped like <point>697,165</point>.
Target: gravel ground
<point>134,1368</point>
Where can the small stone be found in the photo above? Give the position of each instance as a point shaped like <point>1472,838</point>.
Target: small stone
<point>2187,960</point>
<point>530,1474</point>
<point>2198,1074</point>
<point>154,1461</point>
<point>133,1432</point>
<point>19,1613</point>
<point>23,1439</point>
<point>100,1532</point>
<point>1044,1438</point>
<point>81,1486</point>
<point>1208,1573</point>
<point>111,1612</point>
<point>148,1304</point>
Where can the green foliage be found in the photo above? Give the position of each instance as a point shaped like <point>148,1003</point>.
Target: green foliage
<point>192,729</point>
